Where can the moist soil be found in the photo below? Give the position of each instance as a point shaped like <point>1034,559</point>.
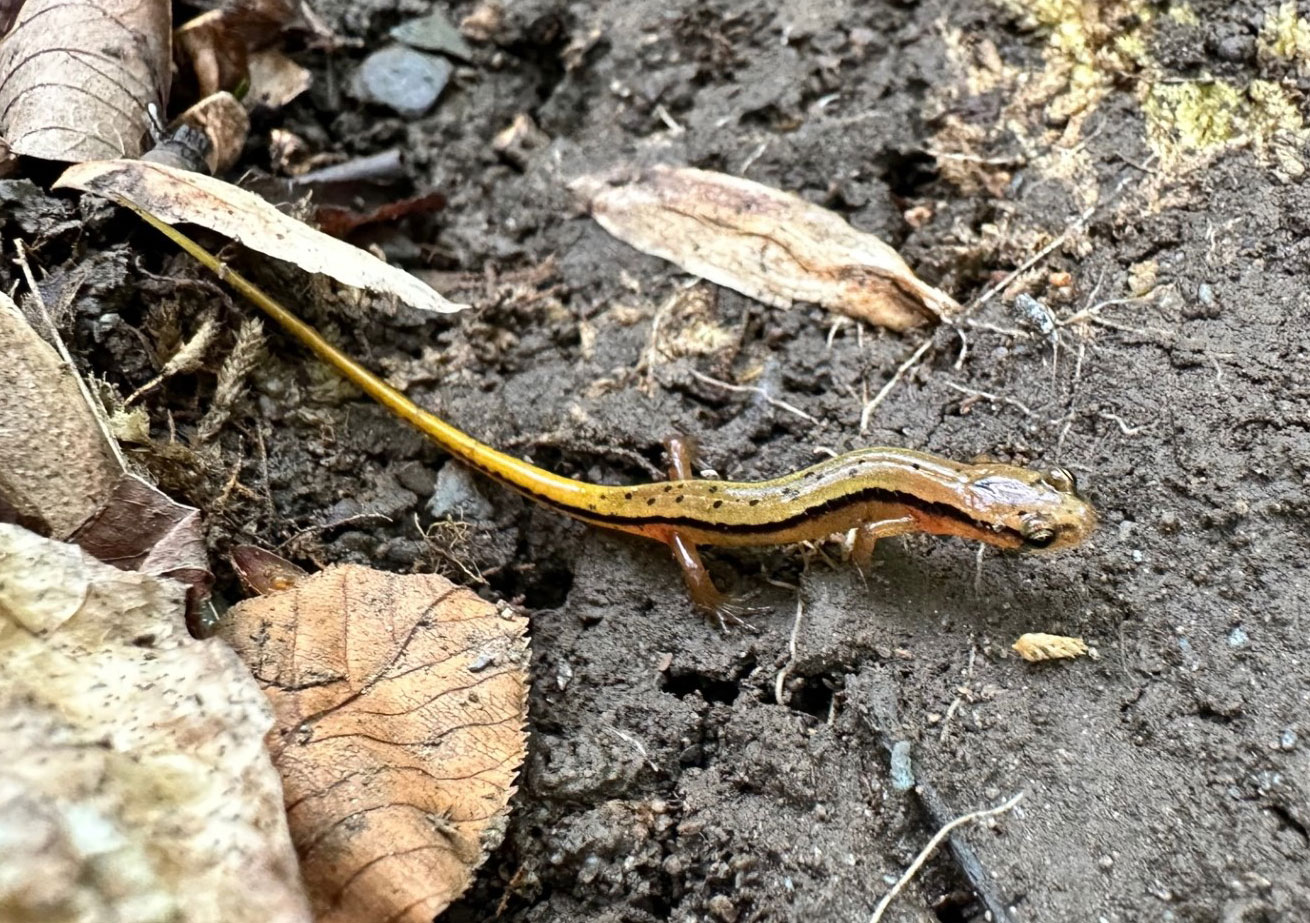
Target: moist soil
<point>679,771</point>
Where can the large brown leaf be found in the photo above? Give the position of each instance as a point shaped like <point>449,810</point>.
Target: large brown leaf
<point>400,703</point>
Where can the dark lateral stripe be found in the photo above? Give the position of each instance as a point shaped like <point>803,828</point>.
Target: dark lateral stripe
<point>880,494</point>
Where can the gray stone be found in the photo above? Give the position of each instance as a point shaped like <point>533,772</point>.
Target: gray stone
<point>402,79</point>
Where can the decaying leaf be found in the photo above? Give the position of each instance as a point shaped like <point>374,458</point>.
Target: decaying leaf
<point>76,77</point>
<point>177,197</point>
<point>223,120</point>
<point>135,784</point>
<point>275,79</point>
<point>59,474</point>
<point>139,527</point>
<point>263,572</point>
<point>767,244</point>
<point>399,703</point>
<point>56,465</point>
<point>1036,646</point>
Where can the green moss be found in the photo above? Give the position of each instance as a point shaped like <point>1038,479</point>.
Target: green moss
<point>1190,116</point>
<point>1285,36</point>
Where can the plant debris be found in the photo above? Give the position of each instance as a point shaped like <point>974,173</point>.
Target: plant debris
<point>400,704</point>
<point>767,244</point>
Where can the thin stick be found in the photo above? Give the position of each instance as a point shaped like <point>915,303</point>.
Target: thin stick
<point>928,850</point>
<point>878,398</point>
<point>95,406</point>
<point>988,396</point>
<point>1035,258</point>
<point>791,652</point>
<point>781,405</point>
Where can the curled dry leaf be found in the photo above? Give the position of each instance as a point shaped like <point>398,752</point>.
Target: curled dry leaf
<point>263,572</point>
<point>178,197</point>
<point>1035,646</point>
<point>223,120</point>
<point>135,783</point>
<point>76,77</point>
<point>139,527</point>
<point>59,475</point>
<point>56,466</point>
<point>767,244</point>
<point>399,704</point>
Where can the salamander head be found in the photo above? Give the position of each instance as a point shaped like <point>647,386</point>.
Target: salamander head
<point>1037,509</point>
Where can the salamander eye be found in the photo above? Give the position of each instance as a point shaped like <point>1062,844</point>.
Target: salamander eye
<point>1036,532</point>
<point>1062,479</point>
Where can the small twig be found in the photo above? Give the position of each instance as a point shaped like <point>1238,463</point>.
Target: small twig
<point>928,850</point>
<point>753,156</point>
<point>994,398</point>
<point>1091,312</point>
<point>881,396</point>
<point>384,167</point>
<point>1123,425</point>
<point>791,652</point>
<point>1036,258</point>
<point>770,399</point>
<point>96,407</point>
<point>973,324</point>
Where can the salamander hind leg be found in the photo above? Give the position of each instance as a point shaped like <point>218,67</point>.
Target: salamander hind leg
<point>705,596</point>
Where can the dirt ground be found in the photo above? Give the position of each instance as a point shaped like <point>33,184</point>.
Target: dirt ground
<point>1167,778</point>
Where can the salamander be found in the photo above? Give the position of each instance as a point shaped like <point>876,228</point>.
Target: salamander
<point>878,492</point>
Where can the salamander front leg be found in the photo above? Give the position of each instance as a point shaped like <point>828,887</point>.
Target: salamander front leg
<point>704,594</point>
<point>885,521</point>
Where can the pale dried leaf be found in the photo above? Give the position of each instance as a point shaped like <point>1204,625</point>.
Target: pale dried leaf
<point>76,77</point>
<point>135,784</point>
<point>767,244</point>
<point>55,465</point>
<point>1036,646</point>
<point>400,703</point>
<point>176,197</point>
<point>275,79</point>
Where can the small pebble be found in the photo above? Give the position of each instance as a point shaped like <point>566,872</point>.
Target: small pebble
<point>434,32</point>
<point>902,772</point>
<point>723,908</point>
<point>402,79</point>
<point>1288,740</point>
<point>1105,863</point>
<point>457,496</point>
<point>1237,637</point>
<point>1236,48</point>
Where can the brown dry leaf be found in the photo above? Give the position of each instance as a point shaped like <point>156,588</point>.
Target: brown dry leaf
<point>400,703</point>
<point>56,466</point>
<point>767,244</point>
<point>263,572</point>
<point>139,527</point>
<point>60,476</point>
<point>1036,646</point>
<point>76,77</point>
<point>275,79</point>
<point>224,121</point>
<point>177,197</point>
<point>217,53</point>
<point>135,783</point>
